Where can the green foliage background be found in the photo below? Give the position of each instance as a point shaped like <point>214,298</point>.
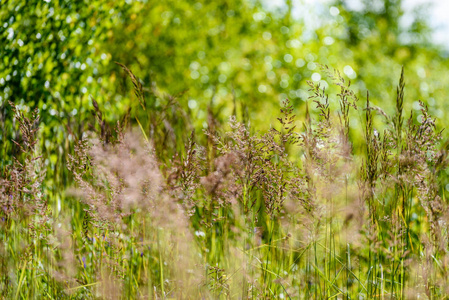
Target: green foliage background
<point>58,55</point>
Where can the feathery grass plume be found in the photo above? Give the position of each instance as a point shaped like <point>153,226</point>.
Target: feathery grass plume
<point>163,119</point>
<point>327,179</point>
<point>287,135</point>
<point>184,178</point>
<point>105,130</point>
<point>138,88</point>
<point>277,168</point>
<point>346,94</point>
<point>372,152</point>
<point>125,190</point>
<point>245,152</point>
<point>26,218</point>
<point>398,121</point>
<point>23,182</point>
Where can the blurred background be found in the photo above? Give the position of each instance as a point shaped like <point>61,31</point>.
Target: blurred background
<point>209,59</point>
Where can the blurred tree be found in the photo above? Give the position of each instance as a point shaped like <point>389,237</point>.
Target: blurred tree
<point>379,44</point>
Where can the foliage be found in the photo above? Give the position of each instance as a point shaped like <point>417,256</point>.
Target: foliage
<point>141,156</point>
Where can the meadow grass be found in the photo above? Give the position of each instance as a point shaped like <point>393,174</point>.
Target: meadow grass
<point>320,210</point>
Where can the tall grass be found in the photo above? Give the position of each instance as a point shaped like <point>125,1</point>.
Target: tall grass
<point>325,210</point>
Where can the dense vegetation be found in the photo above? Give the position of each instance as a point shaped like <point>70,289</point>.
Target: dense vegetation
<point>223,155</point>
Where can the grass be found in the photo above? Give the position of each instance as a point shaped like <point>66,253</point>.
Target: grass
<point>325,210</point>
